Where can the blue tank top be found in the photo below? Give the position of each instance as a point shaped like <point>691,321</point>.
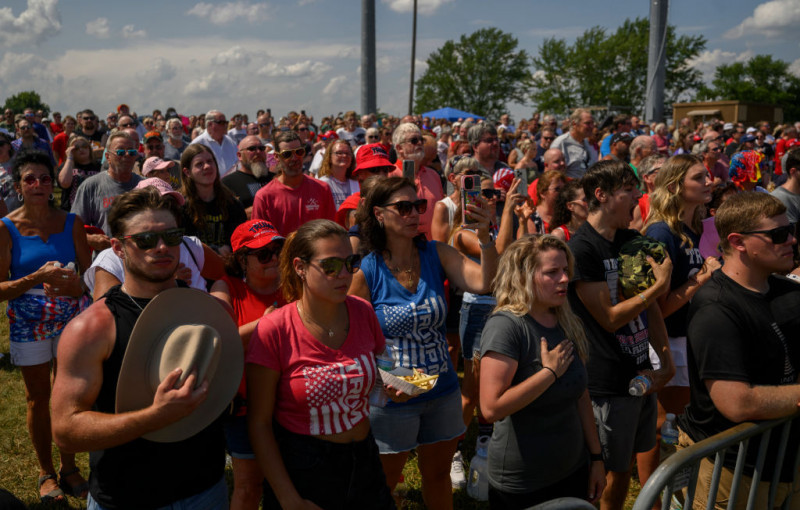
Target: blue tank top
<point>29,253</point>
<point>414,323</point>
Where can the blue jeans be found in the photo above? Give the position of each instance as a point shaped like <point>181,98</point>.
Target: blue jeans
<point>213,498</point>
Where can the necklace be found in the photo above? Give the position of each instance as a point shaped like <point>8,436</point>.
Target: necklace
<point>408,272</point>
<point>305,317</point>
<point>124,291</point>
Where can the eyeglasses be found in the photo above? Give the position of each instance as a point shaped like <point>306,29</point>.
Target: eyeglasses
<point>342,153</point>
<point>80,146</point>
<point>404,206</point>
<point>147,240</point>
<point>489,194</point>
<point>287,154</point>
<point>332,266</point>
<point>373,137</point>
<point>44,180</point>
<point>715,149</point>
<point>414,141</point>
<point>266,253</point>
<point>128,152</point>
<point>254,148</point>
<point>550,138</point>
<point>89,117</point>
<point>777,235</point>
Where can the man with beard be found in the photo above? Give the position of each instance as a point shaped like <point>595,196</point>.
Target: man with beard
<point>252,172</point>
<point>176,142</point>
<point>292,198</point>
<point>619,146</point>
<point>409,144</point>
<point>97,193</point>
<point>88,129</point>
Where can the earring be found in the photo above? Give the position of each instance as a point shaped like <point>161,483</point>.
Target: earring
<point>302,277</point>
<point>380,222</point>
<point>20,197</point>
<point>51,197</point>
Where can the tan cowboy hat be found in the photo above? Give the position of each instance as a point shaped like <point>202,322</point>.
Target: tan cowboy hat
<point>184,328</point>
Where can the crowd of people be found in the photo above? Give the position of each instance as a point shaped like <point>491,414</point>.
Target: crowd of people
<point>424,243</point>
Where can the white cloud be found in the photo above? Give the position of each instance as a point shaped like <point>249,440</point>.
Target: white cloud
<point>794,68</point>
<point>775,18</point>
<point>98,28</point>
<point>161,70</point>
<point>336,85</point>
<point>210,85</point>
<point>708,61</point>
<point>309,69</point>
<point>39,21</point>
<point>223,14</point>
<point>424,7</point>
<point>130,32</point>
<point>235,55</point>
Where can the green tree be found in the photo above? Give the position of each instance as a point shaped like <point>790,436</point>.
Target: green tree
<point>28,99</point>
<point>761,79</point>
<point>603,68</point>
<point>480,73</point>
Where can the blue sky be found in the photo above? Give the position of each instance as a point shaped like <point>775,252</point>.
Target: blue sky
<point>242,55</point>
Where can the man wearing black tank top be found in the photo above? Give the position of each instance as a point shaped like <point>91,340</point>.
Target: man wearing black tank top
<point>128,471</point>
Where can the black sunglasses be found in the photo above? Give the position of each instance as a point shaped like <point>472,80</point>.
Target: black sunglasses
<point>404,206</point>
<point>777,235</point>
<point>332,266</point>
<point>148,240</point>
<point>266,253</point>
<point>489,194</point>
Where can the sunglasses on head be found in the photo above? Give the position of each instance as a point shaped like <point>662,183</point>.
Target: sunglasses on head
<point>404,206</point>
<point>287,154</point>
<point>777,235</point>
<point>332,266</point>
<point>129,152</point>
<point>148,240</point>
<point>489,194</point>
<point>266,253</point>
<point>44,180</point>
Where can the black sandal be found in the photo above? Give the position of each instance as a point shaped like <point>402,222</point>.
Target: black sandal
<point>55,494</point>
<point>79,491</point>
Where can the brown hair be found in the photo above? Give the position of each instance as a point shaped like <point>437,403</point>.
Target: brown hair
<point>301,244</point>
<point>136,201</point>
<point>195,207</point>
<point>742,212</point>
<point>548,178</point>
<point>326,166</point>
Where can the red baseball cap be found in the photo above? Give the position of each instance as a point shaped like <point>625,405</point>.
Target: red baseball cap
<point>254,234</point>
<point>372,156</point>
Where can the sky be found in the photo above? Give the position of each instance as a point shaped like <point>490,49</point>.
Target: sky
<point>242,55</point>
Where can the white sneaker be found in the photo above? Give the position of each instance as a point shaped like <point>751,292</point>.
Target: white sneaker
<point>458,478</point>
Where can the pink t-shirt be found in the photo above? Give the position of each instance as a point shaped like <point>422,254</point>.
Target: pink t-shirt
<point>429,187</point>
<point>321,390</point>
<point>288,208</point>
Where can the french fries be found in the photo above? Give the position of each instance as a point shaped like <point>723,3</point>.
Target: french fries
<point>420,379</point>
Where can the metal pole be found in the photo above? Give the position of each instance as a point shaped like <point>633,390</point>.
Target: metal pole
<point>369,84</point>
<point>656,61</point>
<point>413,57</point>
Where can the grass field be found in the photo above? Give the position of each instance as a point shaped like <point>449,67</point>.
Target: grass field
<point>19,470</point>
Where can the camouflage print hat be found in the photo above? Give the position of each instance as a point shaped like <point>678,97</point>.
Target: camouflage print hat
<point>635,273</point>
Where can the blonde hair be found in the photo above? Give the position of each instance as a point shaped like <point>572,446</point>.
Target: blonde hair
<point>666,201</point>
<point>515,289</point>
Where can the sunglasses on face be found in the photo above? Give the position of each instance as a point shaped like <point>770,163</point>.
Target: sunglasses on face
<point>148,240</point>
<point>215,121</point>
<point>126,125</point>
<point>777,235</point>
<point>302,129</point>
<point>373,137</point>
<point>489,194</point>
<point>266,253</point>
<point>128,152</point>
<point>44,180</point>
<point>414,141</point>
<point>549,138</point>
<point>256,148</point>
<point>404,206</point>
<point>287,154</point>
<point>24,128</point>
<point>332,266</point>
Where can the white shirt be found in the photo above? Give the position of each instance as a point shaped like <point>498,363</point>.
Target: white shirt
<point>225,152</point>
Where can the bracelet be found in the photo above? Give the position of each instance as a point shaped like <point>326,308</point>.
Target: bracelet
<point>551,371</point>
<point>596,457</point>
<point>644,299</point>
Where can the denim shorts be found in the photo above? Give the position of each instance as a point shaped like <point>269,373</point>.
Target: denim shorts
<point>403,428</point>
<point>332,475</point>
<point>470,327</point>
<point>237,441</point>
<point>213,498</point>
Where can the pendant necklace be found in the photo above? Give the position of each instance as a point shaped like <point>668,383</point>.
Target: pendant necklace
<point>309,319</point>
<point>124,291</point>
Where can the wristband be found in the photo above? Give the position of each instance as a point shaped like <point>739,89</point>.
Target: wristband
<point>596,457</point>
<point>551,371</point>
<point>644,299</point>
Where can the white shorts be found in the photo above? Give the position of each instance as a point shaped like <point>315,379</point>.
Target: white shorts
<point>677,345</point>
<point>28,354</point>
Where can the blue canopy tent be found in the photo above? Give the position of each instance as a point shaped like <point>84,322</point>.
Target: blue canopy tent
<point>450,114</point>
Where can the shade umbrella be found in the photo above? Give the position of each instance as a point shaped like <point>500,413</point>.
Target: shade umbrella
<point>451,114</point>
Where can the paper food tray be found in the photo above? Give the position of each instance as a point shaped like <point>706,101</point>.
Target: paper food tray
<point>393,379</point>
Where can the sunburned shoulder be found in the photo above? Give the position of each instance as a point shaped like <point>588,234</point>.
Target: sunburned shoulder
<point>95,325</point>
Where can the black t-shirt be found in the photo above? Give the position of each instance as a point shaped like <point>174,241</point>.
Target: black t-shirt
<point>614,358</point>
<point>245,186</point>
<point>736,334</point>
<point>97,136</point>
<point>217,231</point>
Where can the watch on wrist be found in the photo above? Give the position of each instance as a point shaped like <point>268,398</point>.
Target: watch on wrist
<point>596,457</point>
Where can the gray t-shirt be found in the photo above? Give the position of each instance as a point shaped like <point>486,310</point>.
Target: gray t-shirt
<point>578,156</point>
<point>790,200</point>
<point>95,196</point>
<point>543,442</point>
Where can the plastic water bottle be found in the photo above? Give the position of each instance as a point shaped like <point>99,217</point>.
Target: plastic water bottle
<point>639,385</point>
<point>478,481</point>
<point>385,362</point>
<point>669,431</point>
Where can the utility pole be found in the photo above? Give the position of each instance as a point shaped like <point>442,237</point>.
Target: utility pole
<point>413,57</point>
<point>656,61</point>
<point>369,85</point>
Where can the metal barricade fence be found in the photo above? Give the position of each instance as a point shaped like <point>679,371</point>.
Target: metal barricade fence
<point>681,469</point>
